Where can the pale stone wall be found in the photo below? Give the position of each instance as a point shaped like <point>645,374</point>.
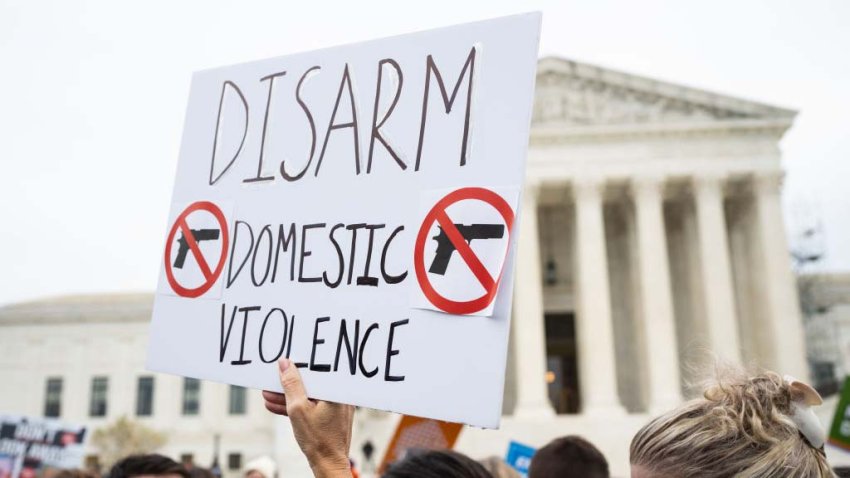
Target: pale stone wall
<point>78,350</point>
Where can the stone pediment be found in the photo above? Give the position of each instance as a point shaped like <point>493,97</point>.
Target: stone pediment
<point>576,94</point>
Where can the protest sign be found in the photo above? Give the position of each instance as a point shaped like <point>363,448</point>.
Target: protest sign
<point>519,457</point>
<point>28,446</point>
<point>415,433</point>
<point>839,432</point>
<point>354,209</point>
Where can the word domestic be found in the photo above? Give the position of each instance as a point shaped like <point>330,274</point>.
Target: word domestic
<point>264,247</point>
<point>348,342</point>
<point>345,129</point>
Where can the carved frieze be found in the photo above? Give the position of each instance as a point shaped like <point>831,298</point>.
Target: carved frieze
<point>565,99</point>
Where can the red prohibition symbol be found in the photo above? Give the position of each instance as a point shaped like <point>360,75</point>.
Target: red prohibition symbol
<point>210,275</point>
<point>438,214</point>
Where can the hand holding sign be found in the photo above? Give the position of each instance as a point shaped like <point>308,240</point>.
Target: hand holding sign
<point>322,429</point>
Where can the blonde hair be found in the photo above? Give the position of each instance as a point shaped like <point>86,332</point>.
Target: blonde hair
<point>741,428</point>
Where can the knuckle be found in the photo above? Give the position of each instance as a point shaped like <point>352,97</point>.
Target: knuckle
<point>290,382</point>
<point>297,408</point>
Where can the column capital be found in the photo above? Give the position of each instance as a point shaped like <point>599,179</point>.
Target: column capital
<point>768,181</point>
<point>588,185</point>
<point>648,184</point>
<point>709,179</point>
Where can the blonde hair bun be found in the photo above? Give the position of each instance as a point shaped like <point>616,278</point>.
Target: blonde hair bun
<point>742,427</point>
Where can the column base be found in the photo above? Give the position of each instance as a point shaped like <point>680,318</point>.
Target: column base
<point>534,411</point>
<point>604,411</point>
<point>663,407</point>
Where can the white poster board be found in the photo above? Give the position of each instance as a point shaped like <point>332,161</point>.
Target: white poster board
<point>354,209</point>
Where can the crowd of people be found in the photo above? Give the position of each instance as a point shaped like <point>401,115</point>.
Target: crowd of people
<point>753,426</point>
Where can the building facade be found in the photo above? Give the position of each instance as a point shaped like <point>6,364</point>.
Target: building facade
<point>825,300</point>
<point>652,236</point>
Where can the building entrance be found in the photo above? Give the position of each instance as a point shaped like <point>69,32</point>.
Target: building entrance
<point>561,362</point>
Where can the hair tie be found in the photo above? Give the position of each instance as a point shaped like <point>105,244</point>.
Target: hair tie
<point>803,398</point>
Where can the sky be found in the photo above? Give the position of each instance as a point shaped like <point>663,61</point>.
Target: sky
<point>93,97</point>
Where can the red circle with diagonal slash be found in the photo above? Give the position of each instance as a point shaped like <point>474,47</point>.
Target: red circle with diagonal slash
<point>210,276</point>
<point>438,214</point>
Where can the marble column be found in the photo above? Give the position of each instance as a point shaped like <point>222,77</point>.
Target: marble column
<point>715,265</point>
<point>782,305</point>
<point>597,364</point>
<point>529,334</point>
<point>659,327</point>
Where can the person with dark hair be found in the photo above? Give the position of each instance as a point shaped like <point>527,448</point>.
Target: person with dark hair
<point>75,473</point>
<point>436,464</point>
<point>152,465</point>
<point>568,457</point>
<point>197,472</point>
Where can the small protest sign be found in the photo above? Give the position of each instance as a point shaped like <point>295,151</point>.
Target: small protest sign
<point>28,446</point>
<point>354,209</point>
<point>415,433</point>
<point>519,457</point>
<point>839,432</point>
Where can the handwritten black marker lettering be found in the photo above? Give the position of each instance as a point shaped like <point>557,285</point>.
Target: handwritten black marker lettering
<point>345,82</point>
<point>376,125</point>
<point>289,335</point>
<point>235,88</point>
<point>309,116</point>
<point>284,241</point>
<point>366,279</point>
<point>246,311</point>
<point>230,277</point>
<point>266,231</point>
<point>225,339</point>
<point>259,176</point>
<point>283,339</point>
<point>341,258</point>
<point>390,279</point>
<point>370,373</point>
<point>353,228</point>
<point>390,352</point>
<point>351,350</point>
<point>318,367</point>
<point>431,69</point>
<point>305,252</point>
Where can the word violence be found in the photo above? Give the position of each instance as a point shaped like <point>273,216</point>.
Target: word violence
<point>343,345</point>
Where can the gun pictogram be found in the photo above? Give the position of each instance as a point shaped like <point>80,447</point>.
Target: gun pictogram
<point>199,235</point>
<point>445,248</point>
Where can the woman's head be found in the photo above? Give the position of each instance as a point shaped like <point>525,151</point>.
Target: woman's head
<point>743,426</point>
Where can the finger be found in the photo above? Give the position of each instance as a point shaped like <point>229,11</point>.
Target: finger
<point>290,379</point>
<point>276,408</point>
<point>274,397</point>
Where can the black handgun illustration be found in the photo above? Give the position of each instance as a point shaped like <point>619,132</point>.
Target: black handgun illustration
<point>445,248</point>
<point>199,235</point>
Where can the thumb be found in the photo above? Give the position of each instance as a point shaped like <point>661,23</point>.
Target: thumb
<point>290,379</point>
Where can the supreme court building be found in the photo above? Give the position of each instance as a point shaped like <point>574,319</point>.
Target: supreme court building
<point>652,235</point>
